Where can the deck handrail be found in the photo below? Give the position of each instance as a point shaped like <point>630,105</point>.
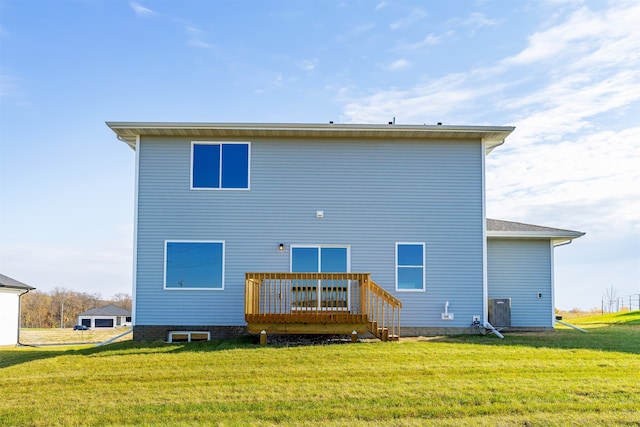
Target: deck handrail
<point>322,298</point>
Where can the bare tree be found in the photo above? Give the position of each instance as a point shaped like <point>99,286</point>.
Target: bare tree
<point>122,300</point>
<point>60,307</point>
<point>610,298</point>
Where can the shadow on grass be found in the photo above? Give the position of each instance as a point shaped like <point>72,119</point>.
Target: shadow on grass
<point>622,338</point>
<point>16,356</point>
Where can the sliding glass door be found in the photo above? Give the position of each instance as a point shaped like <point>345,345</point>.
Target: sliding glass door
<point>331,294</point>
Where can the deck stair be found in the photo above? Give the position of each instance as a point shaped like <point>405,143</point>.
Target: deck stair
<point>320,303</point>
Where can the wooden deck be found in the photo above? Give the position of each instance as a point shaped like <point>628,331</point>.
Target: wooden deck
<point>320,303</point>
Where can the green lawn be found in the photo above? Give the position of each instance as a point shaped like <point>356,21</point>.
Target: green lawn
<point>561,378</point>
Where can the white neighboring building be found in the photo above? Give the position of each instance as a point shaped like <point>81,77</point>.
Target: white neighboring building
<point>109,316</point>
<point>10,292</point>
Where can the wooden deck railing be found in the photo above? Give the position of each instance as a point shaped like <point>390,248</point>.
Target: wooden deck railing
<point>309,299</point>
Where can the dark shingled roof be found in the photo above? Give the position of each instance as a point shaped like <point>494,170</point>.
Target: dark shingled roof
<point>497,227</point>
<point>109,310</point>
<point>8,282</point>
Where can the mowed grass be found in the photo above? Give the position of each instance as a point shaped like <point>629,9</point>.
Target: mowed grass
<point>561,378</point>
<point>42,336</point>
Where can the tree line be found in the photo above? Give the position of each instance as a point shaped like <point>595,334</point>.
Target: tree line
<point>60,307</point>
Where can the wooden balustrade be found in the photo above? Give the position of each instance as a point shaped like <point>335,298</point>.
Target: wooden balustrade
<point>320,303</point>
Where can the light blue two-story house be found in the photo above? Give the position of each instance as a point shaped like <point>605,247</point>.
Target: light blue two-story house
<point>327,228</point>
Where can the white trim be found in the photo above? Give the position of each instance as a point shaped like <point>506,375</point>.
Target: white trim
<point>492,135</point>
<point>319,246</point>
<point>188,334</point>
<point>423,266</point>
<point>485,264</point>
<point>164,278</point>
<point>553,286</point>
<point>535,234</point>
<point>134,277</point>
<point>221,143</point>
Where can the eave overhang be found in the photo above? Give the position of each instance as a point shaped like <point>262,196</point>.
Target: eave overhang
<point>9,283</point>
<point>128,132</point>
<point>500,229</point>
<point>557,238</point>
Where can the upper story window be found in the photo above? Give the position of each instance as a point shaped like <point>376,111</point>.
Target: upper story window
<point>410,267</point>
<point>194,264</point>
<point>220,165</point>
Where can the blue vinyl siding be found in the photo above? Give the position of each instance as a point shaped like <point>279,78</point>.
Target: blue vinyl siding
<point>373,195</point>
<point>520,269</point>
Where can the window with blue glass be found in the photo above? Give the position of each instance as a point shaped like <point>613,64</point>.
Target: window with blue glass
<point>320,294</point>
<point>194,265</point>
<point>223,165</point>
<point>410,262</point>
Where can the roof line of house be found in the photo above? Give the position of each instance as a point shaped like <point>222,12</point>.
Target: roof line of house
<point>8,282</point>
<point>128,132</point>
<point>517,230</point>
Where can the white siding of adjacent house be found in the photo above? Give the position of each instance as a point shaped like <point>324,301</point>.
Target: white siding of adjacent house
<point>9,300</point>
<point>520,269</point>
<point>373,195</point>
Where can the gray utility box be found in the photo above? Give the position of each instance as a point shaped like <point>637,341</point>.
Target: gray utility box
<point>500,312</point>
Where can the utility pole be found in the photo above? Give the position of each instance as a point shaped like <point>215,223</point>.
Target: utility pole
<point>61,314</point>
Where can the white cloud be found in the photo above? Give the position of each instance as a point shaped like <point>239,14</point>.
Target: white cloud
<point>277,80</point>
<point>474,22</point>
<point>196,37</point>
<point>400,64</point>
<point>194,31</point>
<point>565,165</point>
<point>200,44</point>
<point>355,31</point>
<point>585,29</point>
<point>478,20</point>
<point>591,181</point>
<point>141,10</point>
<point>545,102</point>
<point>308,64</point>
<point>414,16</point>
<point>429,40</point>
<point>429,102</point>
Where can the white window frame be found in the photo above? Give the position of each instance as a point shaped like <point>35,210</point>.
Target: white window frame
<point>320,247</point>
<point>164,278</point>
<point>221,143</point>
<point>423,266</point>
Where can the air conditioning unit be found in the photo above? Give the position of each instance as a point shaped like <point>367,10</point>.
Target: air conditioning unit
<point>500,312</point>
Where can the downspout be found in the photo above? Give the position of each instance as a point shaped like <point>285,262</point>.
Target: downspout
<point>18,343</point>
<point>485,264</point>
<point>553,246</point>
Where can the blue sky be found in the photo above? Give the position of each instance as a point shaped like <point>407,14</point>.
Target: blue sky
<point>565,73</point>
